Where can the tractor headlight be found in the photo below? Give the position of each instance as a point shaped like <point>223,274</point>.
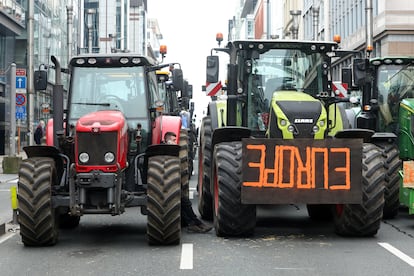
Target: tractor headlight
<point>83,157</point>
<point>291,128</point>
<point>109,157</point>
<point>322,123</point>
<point>315,129</point>
<point>283,122</point>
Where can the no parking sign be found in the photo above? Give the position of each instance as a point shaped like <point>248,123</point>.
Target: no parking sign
<point>20,99</point>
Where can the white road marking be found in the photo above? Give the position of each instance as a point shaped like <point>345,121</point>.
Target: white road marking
<point>186,256</point>
<point>398,253</point>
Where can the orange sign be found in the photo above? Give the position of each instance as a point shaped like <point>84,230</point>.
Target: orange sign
<point>408,179</point>
<point>301,173</point>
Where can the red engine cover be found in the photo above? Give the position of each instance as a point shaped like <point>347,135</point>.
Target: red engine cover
<point>104,121</point>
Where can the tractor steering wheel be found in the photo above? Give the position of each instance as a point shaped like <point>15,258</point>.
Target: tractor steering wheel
<point>113,101</point>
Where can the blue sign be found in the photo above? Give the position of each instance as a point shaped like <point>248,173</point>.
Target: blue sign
<point>21,82</point>
<point>21,112</point>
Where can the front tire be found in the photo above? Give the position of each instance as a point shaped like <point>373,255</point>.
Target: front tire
<point>231,217</point>
<point>185,185</point>
<point>364,219</point>
<point>205,199</point>
<point>37,217</point>
<point>164,200</point>
<point>392,164</point>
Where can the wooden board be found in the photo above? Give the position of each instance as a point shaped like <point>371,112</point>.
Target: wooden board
<point>279,171</point>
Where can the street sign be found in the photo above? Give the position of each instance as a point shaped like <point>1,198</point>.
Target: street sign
<point>20,72</point>
<point>21,112</point>
<point>20,82</point>
<point>20,99</point>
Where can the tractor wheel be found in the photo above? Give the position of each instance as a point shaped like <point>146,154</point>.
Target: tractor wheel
<point>192,145</point>
<point>164,200</point>
<point>67,221</point>
<point>392,163</point>
<point>364,219</point>
<point>231,218</point>
<point>38,219</point>
<point>205,200</point>
<point>185,186</point>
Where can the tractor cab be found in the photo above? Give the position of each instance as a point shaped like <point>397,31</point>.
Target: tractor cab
<point>267,79</point>
<point>99,84</point>
<point>393,81</point>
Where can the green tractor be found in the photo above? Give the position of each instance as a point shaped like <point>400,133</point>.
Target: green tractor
<point>281,136</point>
<point>393,86</point>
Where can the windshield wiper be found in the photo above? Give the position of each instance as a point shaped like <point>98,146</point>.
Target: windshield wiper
<point>102,104</point>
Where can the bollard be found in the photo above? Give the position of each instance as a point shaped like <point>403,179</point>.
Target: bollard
<point>14,203</point>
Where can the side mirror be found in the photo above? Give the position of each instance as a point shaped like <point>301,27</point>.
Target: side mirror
<point>40,80</point>
<point>359,68</point>
<point>178,79</point>
<point>347,76</point>
<point>184,91</point>
<point>212,69</point>
<point>190,91</point>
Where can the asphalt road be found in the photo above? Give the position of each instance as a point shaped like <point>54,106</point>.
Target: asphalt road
<point>286,242</point>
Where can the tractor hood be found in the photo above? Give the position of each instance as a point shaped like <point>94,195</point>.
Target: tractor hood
<point>97,134</point>
<point>297,115</point>
<point>104,120</point>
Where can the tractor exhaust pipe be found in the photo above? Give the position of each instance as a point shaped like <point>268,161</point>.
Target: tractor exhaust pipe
<point>57,103</point>
<point>369,29</point>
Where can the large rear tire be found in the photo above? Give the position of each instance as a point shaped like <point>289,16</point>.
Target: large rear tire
<point>205,199</point>
<point>393,164</point>
<point>364,219</point>
<point>185,185</point>
<point>164,200</point>
<point>37,217</point>
<point>231,217</point>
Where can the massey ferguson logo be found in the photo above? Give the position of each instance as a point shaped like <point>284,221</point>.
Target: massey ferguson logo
<point>303,121</point>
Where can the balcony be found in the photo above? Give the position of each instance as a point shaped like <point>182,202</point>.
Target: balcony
<point>12,18</point>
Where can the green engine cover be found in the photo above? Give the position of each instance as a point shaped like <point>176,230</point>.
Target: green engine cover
<point>406,121</point>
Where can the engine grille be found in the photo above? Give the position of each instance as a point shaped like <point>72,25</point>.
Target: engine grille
<point>306,112</point>
<point>96,145</point>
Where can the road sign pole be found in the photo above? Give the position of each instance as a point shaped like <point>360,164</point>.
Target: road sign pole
<point>30,70</point>
<point>13,111</point>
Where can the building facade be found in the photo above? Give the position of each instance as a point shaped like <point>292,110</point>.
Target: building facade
<point>12,24</point>
<point>49,37</point>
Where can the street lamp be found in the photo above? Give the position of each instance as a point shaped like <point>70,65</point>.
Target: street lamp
<point>315,11</point>
<point>295,24</point>
<point>90,13</point>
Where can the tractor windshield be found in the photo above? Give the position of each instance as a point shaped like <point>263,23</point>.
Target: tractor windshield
<point>395,82</point>
<point>120,88</point>
<point>282,70</point>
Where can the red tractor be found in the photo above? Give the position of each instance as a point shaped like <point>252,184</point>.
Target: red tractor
<point>104,152</point>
